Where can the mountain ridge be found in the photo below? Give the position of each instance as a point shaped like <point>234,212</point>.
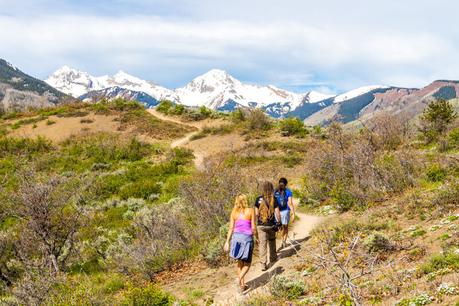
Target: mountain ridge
<point>215,89</point>
<point>19,90</point>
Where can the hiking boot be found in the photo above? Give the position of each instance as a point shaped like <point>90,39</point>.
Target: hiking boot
<point>264,267</point>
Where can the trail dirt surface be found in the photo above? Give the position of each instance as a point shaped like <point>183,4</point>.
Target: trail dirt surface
<point>256,278</point>
<point>221,283</point>
<point>204,147</point>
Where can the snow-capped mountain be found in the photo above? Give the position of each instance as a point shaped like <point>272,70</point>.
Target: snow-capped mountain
<point>77,83</point>
<point>215,89</point>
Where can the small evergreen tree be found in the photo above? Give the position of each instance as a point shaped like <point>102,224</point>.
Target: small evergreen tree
<point>436,118</point>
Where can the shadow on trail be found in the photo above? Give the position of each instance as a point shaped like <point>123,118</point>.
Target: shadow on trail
<point>276,268</point>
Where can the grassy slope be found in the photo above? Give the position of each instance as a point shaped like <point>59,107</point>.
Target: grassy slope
<point>409,220</point>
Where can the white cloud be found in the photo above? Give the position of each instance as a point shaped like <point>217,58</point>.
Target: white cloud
<point>287,52</point>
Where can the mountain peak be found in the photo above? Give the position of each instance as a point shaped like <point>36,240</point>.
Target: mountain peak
<point>66,70</point>
<point>6,63</point>
<point>216,74</point>
<point>121,76</point>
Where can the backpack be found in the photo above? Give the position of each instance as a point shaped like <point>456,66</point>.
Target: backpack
<point>283,200</point>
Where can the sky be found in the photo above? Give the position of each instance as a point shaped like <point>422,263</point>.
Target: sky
<point>327,45</point>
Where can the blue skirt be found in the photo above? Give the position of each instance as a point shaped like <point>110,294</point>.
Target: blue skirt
<point>241,247</point>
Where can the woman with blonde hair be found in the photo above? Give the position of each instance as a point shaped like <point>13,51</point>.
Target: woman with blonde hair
<point>241,233</point>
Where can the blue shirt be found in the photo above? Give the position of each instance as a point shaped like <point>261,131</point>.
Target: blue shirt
<point>283,198</point>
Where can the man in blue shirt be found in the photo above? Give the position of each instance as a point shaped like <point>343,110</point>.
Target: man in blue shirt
<point>284,198</point>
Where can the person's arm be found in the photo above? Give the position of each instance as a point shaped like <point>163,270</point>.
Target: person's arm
<point>292,207</point>
<point>254,223</point>
<point>277,212</point>
<point>230,233</point>
<point>257,213</point>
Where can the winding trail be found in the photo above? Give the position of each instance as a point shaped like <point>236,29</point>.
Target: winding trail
<point>220,282</point>
<point>181,142</point>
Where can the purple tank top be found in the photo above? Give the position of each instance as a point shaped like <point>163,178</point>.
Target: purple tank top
<point>243,226</point>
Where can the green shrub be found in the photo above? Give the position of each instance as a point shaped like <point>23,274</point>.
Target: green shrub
<point>436,119</point>
<point>150,295</point>
<point>205,112</point>
<point>24,146</point>
<point>453,138</point>
<point>377,242</point>
<point>258,120</point>
<point>343,199</point>
<point>214,249</point>
<point>114,284</point>
<point>284,287</point>
<point>105,148</point>
<point>164,106</point>
<point>238,115</point>
<point>437,262</point>
<point>178,109</point>
<point>50,122</point>
<point>418,233</point>
<point>292,126</point>
<point>436,173</point>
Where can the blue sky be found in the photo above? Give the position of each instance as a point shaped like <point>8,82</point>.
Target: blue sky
<point>327,45</point>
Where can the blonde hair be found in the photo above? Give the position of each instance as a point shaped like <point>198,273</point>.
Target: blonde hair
<point>241,203</point>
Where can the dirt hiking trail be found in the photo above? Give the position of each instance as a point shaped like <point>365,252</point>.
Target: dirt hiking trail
<point>255,278</point>
<point>221,283</point>
<point>206,146</point>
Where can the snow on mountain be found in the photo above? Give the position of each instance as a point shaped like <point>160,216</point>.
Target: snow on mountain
<point>356,92</point>
<point>216,88</point>
<point>73,82</point>
<point>78,83</point>
<point>315,96</point>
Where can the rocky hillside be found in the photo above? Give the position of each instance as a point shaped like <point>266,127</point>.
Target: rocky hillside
<point>19,91</point>
<point>408,102</point>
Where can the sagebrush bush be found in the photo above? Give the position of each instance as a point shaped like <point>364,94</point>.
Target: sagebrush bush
<point>258,120</point>
<point>287,288</point>
<point>378,242</point>
<point>352,171</point>
<point>150,295</point>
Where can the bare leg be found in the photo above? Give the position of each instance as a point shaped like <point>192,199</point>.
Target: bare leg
<point>285,233</point>
<point>240,265</point>
<point>244,271</point>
